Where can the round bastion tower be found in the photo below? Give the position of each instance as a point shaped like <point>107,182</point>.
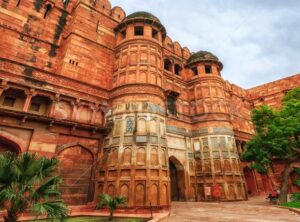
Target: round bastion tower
<point>135,156</point>
<point>217,160</point>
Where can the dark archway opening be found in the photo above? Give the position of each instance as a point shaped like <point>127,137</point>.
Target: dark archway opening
<point>8,146</point>
<point>177,180</point>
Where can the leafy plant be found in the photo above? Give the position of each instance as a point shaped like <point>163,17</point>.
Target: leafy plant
<point>295,197</point>
<point>27,182</point>
<point>111,202</point>
<point>277,138</point>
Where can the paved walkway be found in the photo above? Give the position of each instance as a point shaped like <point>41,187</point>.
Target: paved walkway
<point>254,210</point>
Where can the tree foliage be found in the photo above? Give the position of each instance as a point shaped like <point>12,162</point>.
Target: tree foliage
<point>27,182</point>
<point>277,136</point>
<point>111,202</point>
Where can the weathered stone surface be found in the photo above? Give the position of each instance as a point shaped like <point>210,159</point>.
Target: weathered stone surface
<point>124,107</point>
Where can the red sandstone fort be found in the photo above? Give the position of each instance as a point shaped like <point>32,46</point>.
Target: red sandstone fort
<point>127,110</point>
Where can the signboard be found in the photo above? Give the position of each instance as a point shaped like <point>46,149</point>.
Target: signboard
<point>207,191</point>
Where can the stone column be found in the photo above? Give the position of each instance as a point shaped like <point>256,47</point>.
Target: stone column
<point>1,91</point>
<point>3,86</point>
<point>75,108</point>
<point>55,100</point>
<point>29,94</point>
<point>94,109</point>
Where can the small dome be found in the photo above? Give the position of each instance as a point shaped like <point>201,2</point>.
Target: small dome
<point>142,14</point>
<point>202,56</point>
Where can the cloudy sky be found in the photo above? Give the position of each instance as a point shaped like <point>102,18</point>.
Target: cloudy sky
<point>258,41</point>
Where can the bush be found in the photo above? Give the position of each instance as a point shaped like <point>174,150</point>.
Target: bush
<point>295,197</point>
<point>291,204</point>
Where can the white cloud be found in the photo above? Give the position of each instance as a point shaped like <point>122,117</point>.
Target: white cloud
<point>257,41</point>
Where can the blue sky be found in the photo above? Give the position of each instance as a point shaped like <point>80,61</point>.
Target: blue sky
<point>258,41</point>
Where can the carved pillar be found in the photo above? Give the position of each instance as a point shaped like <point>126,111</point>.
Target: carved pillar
<point>29,96</point>
<point>94,108</point>
<point>55,100</point>
<point>3,86</point>
<point>1,91</point>
<point>75,108</point>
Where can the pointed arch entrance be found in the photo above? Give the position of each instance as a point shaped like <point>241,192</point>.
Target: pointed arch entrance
<point>8,145</point>
<point>177,179</point>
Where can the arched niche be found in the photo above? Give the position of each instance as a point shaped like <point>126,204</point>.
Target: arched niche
<point>111,190</point>
<point>164,195</point>
<point>127,156</point>
<point>76,166</point>
<point>142,126</point>
<point>140,195</point>
<point>141,156</point>
<point>113,157</point>
<point>125,191</point>
<point>154,195</point>
<point>153,126</point>
<point>154,157</point>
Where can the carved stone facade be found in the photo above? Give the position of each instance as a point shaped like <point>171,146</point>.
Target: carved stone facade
<point>126,110</point>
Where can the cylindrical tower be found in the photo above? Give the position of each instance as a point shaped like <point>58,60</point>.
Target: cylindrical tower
<point>135,156</point>
<point>217,161</point>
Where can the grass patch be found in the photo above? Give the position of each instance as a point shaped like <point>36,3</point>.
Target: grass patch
<point>291,204</point>
<point>94,219</point>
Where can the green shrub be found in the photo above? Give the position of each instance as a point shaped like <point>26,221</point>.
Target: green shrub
<point>291,204</point>
<point>295,197</point>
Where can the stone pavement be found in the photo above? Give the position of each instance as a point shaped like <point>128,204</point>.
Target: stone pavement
<point>254,210</point>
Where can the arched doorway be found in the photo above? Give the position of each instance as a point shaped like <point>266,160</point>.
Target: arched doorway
<point>177,179</point>
<point>250,180</point>
<point>7,145</point>
<point>76,164</point>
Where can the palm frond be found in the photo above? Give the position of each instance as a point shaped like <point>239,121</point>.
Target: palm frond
<point>27,167</point>
<point>53,210</point>
<point>6,173</point>
<point>105,199</point>
<point>120,200</point>
<point>48,167</point>
<point>47,189</point>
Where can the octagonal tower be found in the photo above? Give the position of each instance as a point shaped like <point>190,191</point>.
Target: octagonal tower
<point>217,159</point>
<point>135,155</point>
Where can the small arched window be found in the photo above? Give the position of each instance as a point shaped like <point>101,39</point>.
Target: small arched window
<point>138,30</point>
<point>168,65</point>
<point>177,69</point>
<point>48,8</point>
<point>195,71</point>
<point>207,69</point>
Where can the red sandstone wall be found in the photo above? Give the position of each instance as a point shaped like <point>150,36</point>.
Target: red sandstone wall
<point>77,65</point>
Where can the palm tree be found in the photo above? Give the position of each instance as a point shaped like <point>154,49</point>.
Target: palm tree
<point>111,203</point>
<point>27,182</point>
